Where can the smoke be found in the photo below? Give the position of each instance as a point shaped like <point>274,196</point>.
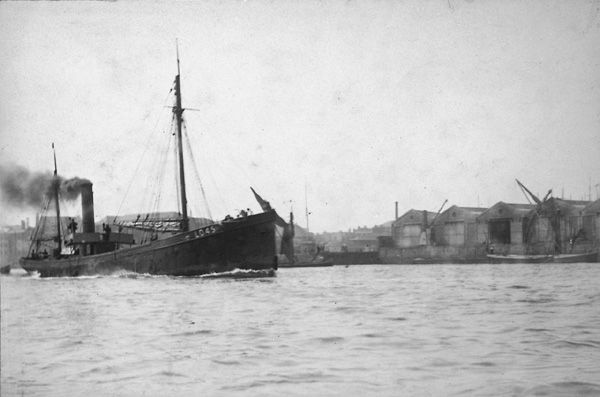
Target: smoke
<point>21,188</point>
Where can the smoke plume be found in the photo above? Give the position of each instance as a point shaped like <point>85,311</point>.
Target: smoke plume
<point>21,188</point>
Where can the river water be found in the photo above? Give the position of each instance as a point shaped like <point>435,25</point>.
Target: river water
<point>385,330</point>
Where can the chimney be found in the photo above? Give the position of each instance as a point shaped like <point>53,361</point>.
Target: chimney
<point>425,219</point>
<point>87,208</point>
<point>396,210</point>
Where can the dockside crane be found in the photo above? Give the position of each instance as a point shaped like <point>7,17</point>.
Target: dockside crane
<point>428,225</point>
<point>543,208</point>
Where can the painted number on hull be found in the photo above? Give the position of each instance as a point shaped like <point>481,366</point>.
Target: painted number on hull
<point>205,231</point>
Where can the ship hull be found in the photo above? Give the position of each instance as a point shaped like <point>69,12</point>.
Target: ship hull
<point>308,264</point>
<point>243,243</point>
<point>589,257</point>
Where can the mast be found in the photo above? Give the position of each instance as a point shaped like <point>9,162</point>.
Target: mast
<point>56,187</point>
<point>178,111</point>
<point>306,204</point>
<point>292,254</point>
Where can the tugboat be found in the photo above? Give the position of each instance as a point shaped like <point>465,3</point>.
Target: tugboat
<point>246,242</point>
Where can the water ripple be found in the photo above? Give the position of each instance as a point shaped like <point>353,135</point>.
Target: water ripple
<point>360,330</point>
<point>566,389</point>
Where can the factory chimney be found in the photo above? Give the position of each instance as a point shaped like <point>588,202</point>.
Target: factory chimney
<point>396,210</point>
<point>87,208</point>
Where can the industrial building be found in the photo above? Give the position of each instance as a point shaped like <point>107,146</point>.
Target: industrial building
<point>457,226</point>
<point>14,243</point>
<point>557,226</point>
<point>410,229</point>
<point>501,226</point>
<point>591,223</point>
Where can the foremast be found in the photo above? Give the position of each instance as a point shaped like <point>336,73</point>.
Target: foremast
<point>56,186</point>
<point>178,112</point>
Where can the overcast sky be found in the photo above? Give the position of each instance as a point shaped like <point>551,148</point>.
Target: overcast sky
<point>363,102</point>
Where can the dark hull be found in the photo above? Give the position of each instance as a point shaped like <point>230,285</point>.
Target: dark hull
<point>590,257</point>
<point>246,243</point>
<point>308,264</point>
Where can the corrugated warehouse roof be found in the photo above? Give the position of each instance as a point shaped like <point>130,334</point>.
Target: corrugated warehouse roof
<point>505,210</point>
<point>414,217</point>
<point>456,213</point>
<point>566,207</point>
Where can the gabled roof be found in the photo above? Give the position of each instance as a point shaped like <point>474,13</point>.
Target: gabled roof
<point>414,217</point>
<point>557,206</point>
<point>505,210</point>
<point>570,207</point>
<point>456,213</point>
<point>592,208</point>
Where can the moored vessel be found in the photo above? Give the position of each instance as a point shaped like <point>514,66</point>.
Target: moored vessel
<point>551,213</point>
<point>588,257</point>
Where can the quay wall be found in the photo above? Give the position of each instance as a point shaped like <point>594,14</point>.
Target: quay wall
<point>353,258</point>
<point>433,254</point>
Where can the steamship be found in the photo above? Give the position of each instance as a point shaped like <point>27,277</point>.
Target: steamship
<point>247,242</point>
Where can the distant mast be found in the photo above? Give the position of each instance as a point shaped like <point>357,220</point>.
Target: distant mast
<point>55,181</point>
<point>306,205</point>
<point>178,111</point>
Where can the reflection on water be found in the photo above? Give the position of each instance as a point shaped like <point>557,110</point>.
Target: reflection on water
<point>357,330</point>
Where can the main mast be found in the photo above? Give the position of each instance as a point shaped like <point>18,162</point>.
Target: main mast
<point>56,187</point>
<point>178,111</point>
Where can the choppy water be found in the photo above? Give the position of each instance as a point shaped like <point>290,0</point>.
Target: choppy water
<point>359,330</point>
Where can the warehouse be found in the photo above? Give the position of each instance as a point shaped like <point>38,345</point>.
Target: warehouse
<point>591,222</point>
<point>555,226</point>
<point>457,226</point>
<point>409,230</point>
<point>501,226</point>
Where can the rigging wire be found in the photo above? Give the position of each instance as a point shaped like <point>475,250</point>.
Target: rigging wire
<point>222,198</point>
<point>196,173</point>
<point>157,188</point>
<point>147,146</point>
<point>38,234</point>
<point>41,224</point>
<point>152,200</point>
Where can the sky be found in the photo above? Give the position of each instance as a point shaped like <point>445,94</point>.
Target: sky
<point>344,107</point>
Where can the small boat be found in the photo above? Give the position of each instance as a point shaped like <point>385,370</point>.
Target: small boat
<point>316,262</point>
<point>246,242</point>
<point>588,257</point>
